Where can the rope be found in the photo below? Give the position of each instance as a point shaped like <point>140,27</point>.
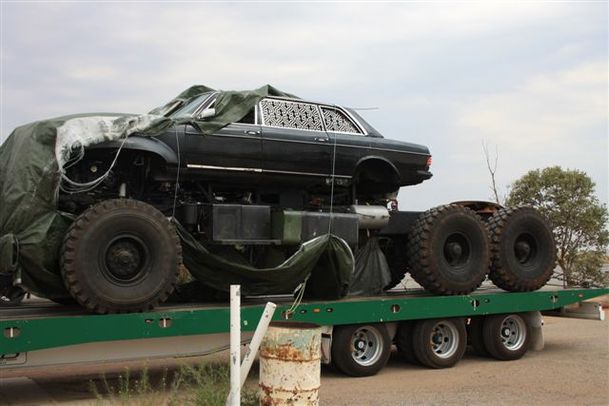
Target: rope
<point>332,179</point>
<point>298,299</point>
<point>175,191</point>
<point>77,187</point>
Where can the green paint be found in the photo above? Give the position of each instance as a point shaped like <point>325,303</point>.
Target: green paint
<point>49,332</point>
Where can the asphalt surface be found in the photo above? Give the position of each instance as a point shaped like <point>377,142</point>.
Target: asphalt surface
<point>572,369</point>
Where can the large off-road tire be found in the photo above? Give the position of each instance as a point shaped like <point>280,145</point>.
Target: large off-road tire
<point>439,343</point>
<point>448,250</point>
<point>523,251</point>
<point>506,336</point>
<point>360,349</point>
<point>120,256</point>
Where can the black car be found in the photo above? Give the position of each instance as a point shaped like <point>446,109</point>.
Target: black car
<point>283,144</point>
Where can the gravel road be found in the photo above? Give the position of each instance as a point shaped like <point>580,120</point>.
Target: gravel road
<point>572,369</point>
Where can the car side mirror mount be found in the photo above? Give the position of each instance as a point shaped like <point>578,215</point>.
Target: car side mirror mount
<point>208,113</point>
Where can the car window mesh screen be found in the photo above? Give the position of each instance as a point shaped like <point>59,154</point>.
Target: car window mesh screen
<point>337,121</point>
<point>280,113</point>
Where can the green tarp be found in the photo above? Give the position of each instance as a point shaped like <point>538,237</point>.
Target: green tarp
<point>32,228</point>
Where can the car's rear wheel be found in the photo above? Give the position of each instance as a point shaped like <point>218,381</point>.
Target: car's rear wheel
<point>523,251</point>
<point>120,256</point>
<point>448,250</point>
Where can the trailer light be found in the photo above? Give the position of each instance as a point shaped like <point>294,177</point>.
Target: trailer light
<point>429,162</point>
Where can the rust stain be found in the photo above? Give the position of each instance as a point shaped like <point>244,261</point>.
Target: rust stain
<point>289,353</point>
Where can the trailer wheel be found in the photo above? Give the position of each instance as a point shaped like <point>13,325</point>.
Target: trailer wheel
<point>475,336</point>
<point>523,251</point>
<point>360,349</point>
<point>448,250</point>
<point>439,343</point>
<point>120,256</point>
<point>403,341</point>
<point>506,336</point>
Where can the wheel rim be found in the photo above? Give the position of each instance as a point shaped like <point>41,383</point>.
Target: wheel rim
<point>526,249</point>
<point>513,332</point>
<point>125,259</point>
<point>456,249</point>
<point>444,340</point>
<point>366,346</point>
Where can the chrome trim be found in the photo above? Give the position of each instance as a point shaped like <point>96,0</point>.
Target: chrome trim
<point>258,170</point>
<point>224,168</point>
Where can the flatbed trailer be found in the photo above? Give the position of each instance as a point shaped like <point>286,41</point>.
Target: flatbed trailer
<point>41,334</point>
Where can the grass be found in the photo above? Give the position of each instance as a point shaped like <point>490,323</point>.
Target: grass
<point>206,385</point>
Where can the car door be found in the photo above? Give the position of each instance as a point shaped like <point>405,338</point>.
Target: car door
<point>294,142</point>
<point>352,144</point>
<point>236,148</point>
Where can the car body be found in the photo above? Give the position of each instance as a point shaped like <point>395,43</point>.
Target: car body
<point>284,142</point>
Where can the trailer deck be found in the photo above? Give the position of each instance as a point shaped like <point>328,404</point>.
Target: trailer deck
<point>44,325</point>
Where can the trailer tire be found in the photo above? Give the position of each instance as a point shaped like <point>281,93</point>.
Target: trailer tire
<point>475,336</point>
<point>506,336</point>
<point>448,250</point>
<point>439,343</point>
<point>360,349</point>
<point>523,251</point>
<point>120,256</point>
<point>403,342</point>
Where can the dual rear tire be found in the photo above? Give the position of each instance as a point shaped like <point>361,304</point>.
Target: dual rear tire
<point>450,250</point>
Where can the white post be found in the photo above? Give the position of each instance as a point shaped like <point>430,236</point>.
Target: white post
<point>252,349</point>
<point>234,398</point>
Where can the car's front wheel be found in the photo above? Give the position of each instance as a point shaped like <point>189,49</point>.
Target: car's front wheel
<point>120,255</point>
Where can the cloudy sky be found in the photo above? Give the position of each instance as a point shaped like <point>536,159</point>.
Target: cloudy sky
<point>530,79</point>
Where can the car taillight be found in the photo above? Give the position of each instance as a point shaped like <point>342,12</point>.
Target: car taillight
<point>429,162</point>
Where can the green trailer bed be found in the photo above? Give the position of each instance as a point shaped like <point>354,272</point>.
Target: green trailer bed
<point>42,325</point>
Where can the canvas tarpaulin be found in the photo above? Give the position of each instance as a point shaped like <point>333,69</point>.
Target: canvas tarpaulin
<point>32,228</point>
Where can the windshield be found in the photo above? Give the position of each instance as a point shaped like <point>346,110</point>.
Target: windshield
<point>188,109</point>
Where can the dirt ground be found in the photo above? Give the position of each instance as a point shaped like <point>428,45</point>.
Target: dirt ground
<point>572,369</point>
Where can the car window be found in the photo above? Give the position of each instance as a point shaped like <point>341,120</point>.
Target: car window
<point>289,114</point>
<point>250,117</point>
<point>337,121</point>
<point>188,109</point>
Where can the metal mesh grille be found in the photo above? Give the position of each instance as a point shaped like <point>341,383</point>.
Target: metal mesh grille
<point>337,121</point>
<point>279,113</point>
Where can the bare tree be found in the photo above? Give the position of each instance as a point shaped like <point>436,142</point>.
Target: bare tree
<point>491,164</point>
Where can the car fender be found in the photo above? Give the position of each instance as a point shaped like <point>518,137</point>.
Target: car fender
<point>375,158</point>
<point>144,144</point>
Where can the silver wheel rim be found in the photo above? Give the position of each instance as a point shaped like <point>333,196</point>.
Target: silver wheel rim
<point>444,339</point>
<point>366,345</point>
<point>513,332</point>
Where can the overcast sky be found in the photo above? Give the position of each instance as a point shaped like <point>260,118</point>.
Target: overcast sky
<point>530,79</point>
